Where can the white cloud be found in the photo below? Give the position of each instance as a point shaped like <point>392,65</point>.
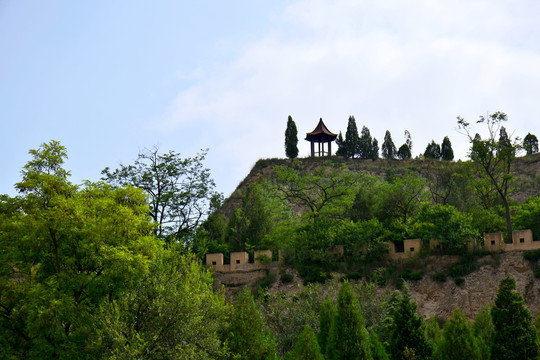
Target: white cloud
<point>392,64</point>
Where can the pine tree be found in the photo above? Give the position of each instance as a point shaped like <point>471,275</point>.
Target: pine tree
<point>388,148</point>
<point>374,150</point>
<point>306,346</point>
<point>341,151</point>
<point>326,316</point>
<point>457,341</point>
<point>404,152</point>
<point>446,150</point>
<point>351,138</point>
<point>291,139</point>
<point>365,147</point>
<point>483,330</point>
<point>408,334</point>
<point>530,144</point>
<point>433,151</point>
<point>376,347</point>
<point>515,337</point>
<point>349,338</point>
<point>249,336</point>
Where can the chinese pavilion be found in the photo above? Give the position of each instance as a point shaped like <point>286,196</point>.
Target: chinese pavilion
<point>321,135</point>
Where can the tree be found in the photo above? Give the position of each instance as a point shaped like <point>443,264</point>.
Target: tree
<point>408,331</point>
<point>342,150</point>
<point>374,155</point>
<point>351,138</point>
<point>349,338</point>
<point>172,312</point>
<point>446,150</point>
<point>493,158</point>
<point>530,144</point>
<point>291,139</point>
<point>457,341</point>
<point>180,190</point>
<point>515,336</point>
<point>66,250</point>
<point>365,147</point>
<point>326,316</point>
<point>404,152</point>
<point>528,216</point>
<point>433,151</point>
<point>388,148</point>
<point>483,330</point>
<point>306,347</point>
<point>248,334</point>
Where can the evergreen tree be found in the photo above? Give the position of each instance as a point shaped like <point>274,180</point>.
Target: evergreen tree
<point>349,338</point>
<point>365,147</point>
<point>515,337</point>
<point>446,150</point>
<point>530,144</point>
<point>457,341</point>
<point>351,138</point>
<point>326,316</point>
<point>306,347</point>
<point>249,336</point>
<point>408,140</point>
<point>433,151</point>
<point>483,330</point>
<point>388,148</point>
<point>376,347</point>
<point>404,152</point>
<point>433,332</point>
<point>342,150</point>
<point>374,150</point>
<point>408,334</point>
<point>291,139</point>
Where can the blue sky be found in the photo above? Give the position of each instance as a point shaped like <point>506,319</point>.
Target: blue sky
<point>110,78</point>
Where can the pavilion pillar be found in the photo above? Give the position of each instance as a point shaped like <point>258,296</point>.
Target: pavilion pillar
<point>329,148</point>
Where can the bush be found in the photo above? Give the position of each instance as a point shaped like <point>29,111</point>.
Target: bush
<point>439,277</point>
<point>532,255</point>
<point>410,275</point>
<point>459,281</point>
<point>286,278</point>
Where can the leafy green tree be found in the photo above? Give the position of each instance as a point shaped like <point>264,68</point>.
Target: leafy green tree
<point>446,150</point>
<point>376,347</point>
<point>408,331</point>
<point>457,341</point>
<point>374,150</point>
<point>352,139</point>
<point>306,347</point>
<point>433,332</point>
<point>248,335</point>
<point>530,144</point>
<point>171,313</point>
<point>404,153</point>
<point>515,336</point>
<point>493,158</point>
<point>180,190</point>
<point>326,316</point>
<point>528,216</point>
<point>402,198</point>
<point>65,252</point>
<point>483,330</point>
<point>433,151</point>
<point>291,139</point>
<point>388,148</point>
<point>365,147</point>
<point>349,338</point>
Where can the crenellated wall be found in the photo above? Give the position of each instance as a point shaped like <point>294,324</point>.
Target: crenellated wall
<point>521,240</point>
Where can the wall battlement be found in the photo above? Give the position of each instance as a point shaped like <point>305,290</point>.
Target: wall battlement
<point>521,240</point>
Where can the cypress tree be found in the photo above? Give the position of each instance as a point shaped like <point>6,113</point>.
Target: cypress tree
<point>404,152</point>
<point>351,138</point>
<point>408,331</point>
<point>530,144</point>
<point>483,330</point>
<point>365,146</point>
<point>342,150</point>
<point>326,316</point>
<point>457,341</point>
<point>349,338</point>
<point>306,346</point>
<point>446,150</point>
<point>291,139</point>
<point>515,337</point>
<point>374,150</point>
<point>388,148</point>
<point>433,151</point>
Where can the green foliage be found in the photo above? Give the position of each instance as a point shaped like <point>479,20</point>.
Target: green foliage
<point>408,331</point>
<point>483,330</point>
<point>349,338</point>
<point>352,141</point>
<point>248,334</point>
<point>291,139</point>
<point>368,148</point>
<point>388,149</point>
<point>515,337</point>
<point>179,190</point>
<point>528,216</point>
<point>306,347</point>
<point>530,144</point>
<point>446,150</point>
<point>433,332</point>
<point>532,255</point>
<point>376,347</point>
<point>457,341</point>
<point>411,275</point>
<point>433,151</point>
<point>404,153</point>
<point>326,316</point>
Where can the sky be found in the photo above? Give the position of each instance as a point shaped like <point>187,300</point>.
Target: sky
<point>109,79</point>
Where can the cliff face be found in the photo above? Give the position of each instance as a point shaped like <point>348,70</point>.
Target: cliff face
<point>479,288</point>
